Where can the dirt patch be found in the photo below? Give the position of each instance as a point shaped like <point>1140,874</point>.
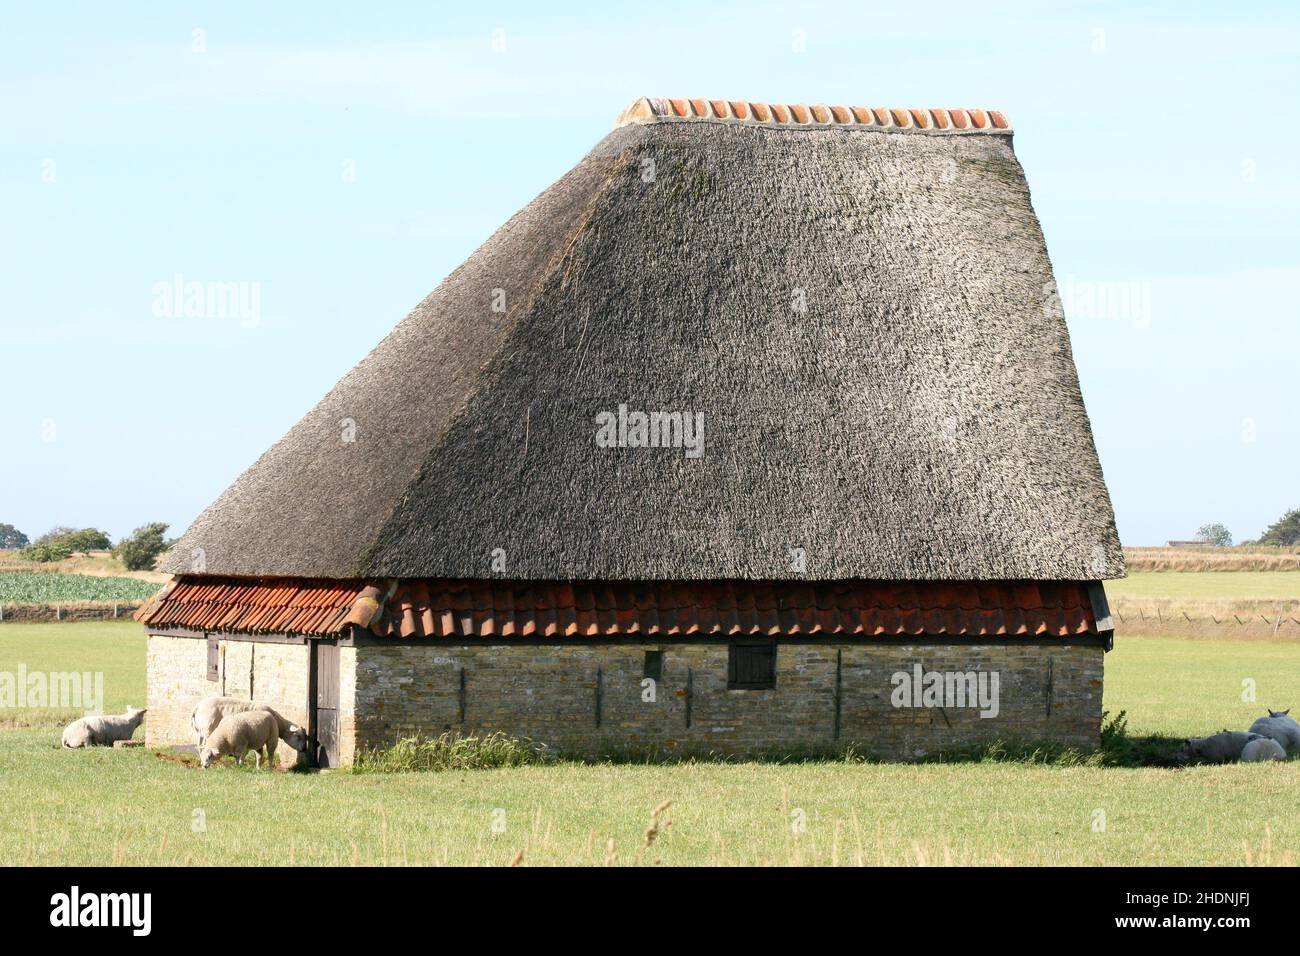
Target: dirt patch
<point>187,760</point>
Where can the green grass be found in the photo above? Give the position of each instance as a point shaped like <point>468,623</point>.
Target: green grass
<point>1197,586</point>
<point>53,587</point>
<point>1190,688</point>
<point>115,649</point>
<point>129,807</point>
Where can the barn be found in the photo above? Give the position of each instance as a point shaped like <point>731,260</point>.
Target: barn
<point>757,431</point>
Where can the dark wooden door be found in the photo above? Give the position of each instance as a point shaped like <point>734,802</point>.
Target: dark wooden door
<point>324,730</point>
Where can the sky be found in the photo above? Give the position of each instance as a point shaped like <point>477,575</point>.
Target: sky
<point>334,162</point>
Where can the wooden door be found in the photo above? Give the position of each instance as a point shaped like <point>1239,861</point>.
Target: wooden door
<point>324,723</point>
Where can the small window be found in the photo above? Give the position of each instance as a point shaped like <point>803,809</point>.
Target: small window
<point>654,665</point>
<point>751,667</point>
<point>214,659</point>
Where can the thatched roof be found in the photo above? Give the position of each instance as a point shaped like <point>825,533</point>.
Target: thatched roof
<point>859,307</point>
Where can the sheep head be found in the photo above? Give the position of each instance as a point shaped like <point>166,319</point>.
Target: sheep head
<point>296,738</point>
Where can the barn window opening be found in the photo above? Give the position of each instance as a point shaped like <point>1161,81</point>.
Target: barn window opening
<point>214,659</point>
<point>654,665</point>
<point>751,666</point>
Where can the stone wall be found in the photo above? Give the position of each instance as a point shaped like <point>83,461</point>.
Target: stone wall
<point>177,677</point>
<point>588,698</point>
<point>272,673</point>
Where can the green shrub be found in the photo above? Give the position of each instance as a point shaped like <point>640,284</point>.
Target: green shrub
<point>451,752</point>
<point>45,552</point>
<point>141,550</point>
<point>59,543</point>
<point>86,540</point>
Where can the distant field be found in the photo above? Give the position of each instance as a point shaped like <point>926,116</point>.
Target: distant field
<point>1207,586</point>
<point>105,807</point>
<point>96,563</point>
<point>1213,559</point>
<point>52,587</point>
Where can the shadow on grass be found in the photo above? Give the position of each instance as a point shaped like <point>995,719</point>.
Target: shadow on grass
<point>495,751</point>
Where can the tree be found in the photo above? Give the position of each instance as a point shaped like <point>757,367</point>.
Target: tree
<point>1285,531</point>
<point>1216,534</point>
<point>87,539</point>
<point>11,537</point>
<point>57,533</point>
<point>71,539</point>
<point>141,550</point>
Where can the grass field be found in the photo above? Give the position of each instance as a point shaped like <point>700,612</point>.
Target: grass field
<point>132,807</point>
<point>1202,586</point>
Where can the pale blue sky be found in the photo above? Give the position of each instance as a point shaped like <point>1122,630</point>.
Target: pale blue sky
<point>1159,140</point>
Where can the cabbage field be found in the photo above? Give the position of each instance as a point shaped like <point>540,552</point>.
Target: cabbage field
<point>46,587</point>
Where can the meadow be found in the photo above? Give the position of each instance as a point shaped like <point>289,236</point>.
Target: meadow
<point>1205,586</point>
<point>127,807</point>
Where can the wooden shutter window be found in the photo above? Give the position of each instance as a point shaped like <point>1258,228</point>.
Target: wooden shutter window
<point>751,666</point>
<point>214,659</point>
<point>654,665</point>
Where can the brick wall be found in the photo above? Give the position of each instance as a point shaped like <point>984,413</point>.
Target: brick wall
<point>274,674</point>
<point>550,693</point>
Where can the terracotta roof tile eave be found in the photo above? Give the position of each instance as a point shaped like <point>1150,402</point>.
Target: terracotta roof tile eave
<point>564,611</point>
<point>947,122</point>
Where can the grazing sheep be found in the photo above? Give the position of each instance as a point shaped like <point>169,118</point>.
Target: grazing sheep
<point>209,711</point>
<point>102,731</point>
<point>237,734</point>
<point>1223,747</point>
<point>1262,748</point>
<point>1279,727</point>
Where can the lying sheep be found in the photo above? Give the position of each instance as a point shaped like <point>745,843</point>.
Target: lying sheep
<point>209,711</point>
<point>1223,747</point>
<point>237,734</point>
<point>102,731</point>
<point>1262,748</point>
<point>1279,727</point>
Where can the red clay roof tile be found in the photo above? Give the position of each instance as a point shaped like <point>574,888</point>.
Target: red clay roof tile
<point>657,109</point>
<point>566,610</point>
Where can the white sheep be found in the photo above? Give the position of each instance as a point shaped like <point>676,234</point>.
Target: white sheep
<point>1279,727</point>
<point>1262,748</point>
<point>209,711</point>
<point>237,734</point>
<point>102,731</point>
<point>1223,747</point>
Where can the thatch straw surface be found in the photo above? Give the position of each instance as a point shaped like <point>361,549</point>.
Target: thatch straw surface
<point>862,317</point>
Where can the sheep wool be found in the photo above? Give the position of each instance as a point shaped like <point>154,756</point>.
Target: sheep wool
<point>1280,727</point>
<point>237,734</point>
<point>102,731</point>
<point>1262,748</point>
